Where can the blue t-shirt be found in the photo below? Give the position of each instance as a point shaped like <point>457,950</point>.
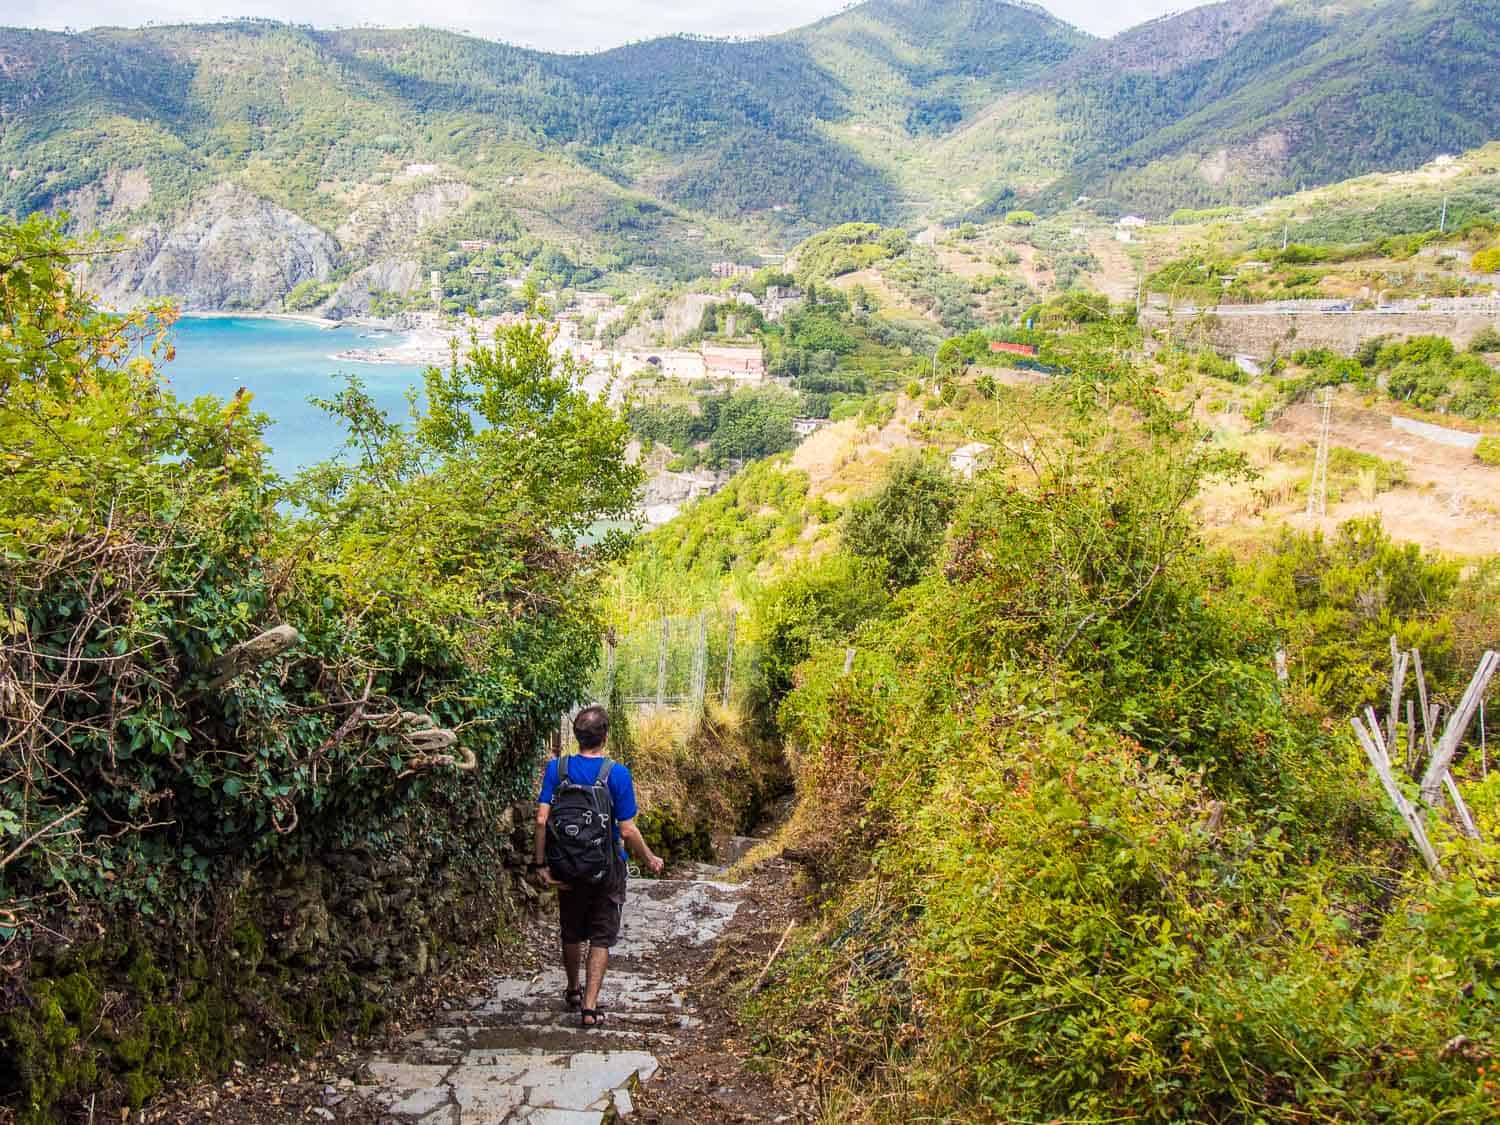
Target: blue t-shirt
<point>585,771</point>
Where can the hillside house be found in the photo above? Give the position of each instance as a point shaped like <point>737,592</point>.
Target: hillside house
<point>729,270</point>
<point>781,300</point>
<point>1004,347</point>
<point>1126,228</point>
<point>806,427</point>
<point>723,361</point>
<point>971,459</point>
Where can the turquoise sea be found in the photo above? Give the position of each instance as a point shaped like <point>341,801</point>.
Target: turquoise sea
<point>283,363</point>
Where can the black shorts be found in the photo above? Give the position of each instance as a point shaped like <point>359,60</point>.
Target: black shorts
<point>593,915</point>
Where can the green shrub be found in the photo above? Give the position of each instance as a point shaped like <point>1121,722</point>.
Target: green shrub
<point>902,525</point>
<point>1488,450</point>
<point>754,424</point>
<point>811,605</point>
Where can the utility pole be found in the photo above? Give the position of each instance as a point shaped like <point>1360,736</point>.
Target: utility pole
<point>1286,235</point>
<point>1317,491</point>
<point>1443,223</point>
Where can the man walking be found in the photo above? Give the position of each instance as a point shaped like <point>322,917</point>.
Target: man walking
<point>591,792</point>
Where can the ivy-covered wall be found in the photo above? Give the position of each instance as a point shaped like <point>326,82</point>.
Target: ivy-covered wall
<point>111,1010</point>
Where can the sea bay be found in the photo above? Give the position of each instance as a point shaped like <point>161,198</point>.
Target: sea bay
<point>283,364</point>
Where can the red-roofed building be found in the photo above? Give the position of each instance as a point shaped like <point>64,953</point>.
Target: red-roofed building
<point>1013,349</point>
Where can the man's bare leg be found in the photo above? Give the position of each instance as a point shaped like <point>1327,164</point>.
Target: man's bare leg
<point>598,962</point>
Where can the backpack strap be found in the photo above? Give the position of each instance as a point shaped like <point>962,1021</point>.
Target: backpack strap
<point>563,773</point>
<point>603,778</point>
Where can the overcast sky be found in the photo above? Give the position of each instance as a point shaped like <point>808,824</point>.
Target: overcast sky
<point>560,25</point>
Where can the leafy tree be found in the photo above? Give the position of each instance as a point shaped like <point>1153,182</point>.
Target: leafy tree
<point>434,571</point>
<point>754,424</point>
<point>902,526</point>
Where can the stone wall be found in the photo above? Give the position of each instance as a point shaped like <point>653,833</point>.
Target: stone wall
<point>1265,333</point>
<point>113,1007</point>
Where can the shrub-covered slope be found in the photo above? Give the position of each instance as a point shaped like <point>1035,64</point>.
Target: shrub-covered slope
<point>205,851</point>
<point>1082,855</point>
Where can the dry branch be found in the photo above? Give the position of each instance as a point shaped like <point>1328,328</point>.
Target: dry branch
<point>251,654</point>
<point>1376,753</point>
<point>775,953</point>
<point>1453,734</point>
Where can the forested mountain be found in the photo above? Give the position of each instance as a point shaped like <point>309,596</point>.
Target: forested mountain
<point>1240,101</point>
<point>664,155</point>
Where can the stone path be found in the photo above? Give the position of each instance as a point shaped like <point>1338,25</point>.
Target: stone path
<point>515,1054</point>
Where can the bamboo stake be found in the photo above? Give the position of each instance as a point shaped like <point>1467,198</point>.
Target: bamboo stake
<point>1453,734</point>
<point>1465,819</point>
<point>729,655</point>
<point>1413,822</point>
<point>1428,719</point>
<point>661,667</point>
<point>1411,736</point>
<point>1398,685</point>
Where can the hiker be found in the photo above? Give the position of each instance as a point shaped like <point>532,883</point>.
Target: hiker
<point>584,814</point>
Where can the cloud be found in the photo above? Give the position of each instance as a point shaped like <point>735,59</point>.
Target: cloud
<point>560,25</point>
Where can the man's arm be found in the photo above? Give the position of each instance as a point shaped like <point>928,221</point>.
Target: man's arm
<point>543,812</point>
<point>637,845</point>
<point>539,852</point>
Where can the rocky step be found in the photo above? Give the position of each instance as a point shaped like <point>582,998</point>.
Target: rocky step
<point>514,1053</point>
<point>545,1087</point>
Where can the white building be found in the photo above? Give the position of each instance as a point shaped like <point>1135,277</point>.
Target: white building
<point>971,459</point>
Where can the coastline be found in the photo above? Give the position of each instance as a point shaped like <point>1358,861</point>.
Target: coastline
<point>299,318</point>
<point>421,347</point>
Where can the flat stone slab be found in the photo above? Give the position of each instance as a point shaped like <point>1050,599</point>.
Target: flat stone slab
<point>515,1054</point>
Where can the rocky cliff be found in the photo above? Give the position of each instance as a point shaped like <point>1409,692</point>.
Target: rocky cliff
<point>399,277</point>
<point>231,250</point>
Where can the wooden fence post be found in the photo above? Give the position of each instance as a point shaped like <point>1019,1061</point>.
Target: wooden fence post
<point>729,655</point>
<point>699,689</point>
<point>1370,740</point>
<point>661,666</point>
<point>609,665</point>
<point>1453,734</point>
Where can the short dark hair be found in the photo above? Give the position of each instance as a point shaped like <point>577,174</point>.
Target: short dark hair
<point>591,727</point>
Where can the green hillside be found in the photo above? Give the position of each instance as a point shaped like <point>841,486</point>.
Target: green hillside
<point>663,156</point>
<point>1236,103</point>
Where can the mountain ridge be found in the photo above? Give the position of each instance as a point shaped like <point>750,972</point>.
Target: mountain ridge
<point>665,155</point>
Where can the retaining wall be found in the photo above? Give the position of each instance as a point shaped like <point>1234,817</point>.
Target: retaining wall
<point>1264,333</point>
<point>1458,439</point>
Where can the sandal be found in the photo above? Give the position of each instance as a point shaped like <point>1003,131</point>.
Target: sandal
<point>573,998</point>
<point>590,1018</point>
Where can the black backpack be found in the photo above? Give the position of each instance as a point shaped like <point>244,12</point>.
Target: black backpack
<point>580,829</point>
